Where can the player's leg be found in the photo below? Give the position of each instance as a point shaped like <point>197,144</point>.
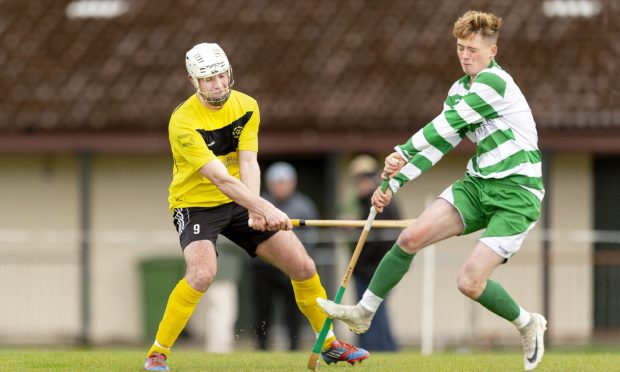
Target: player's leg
<point>198,229</point>
<point>201,265</point>
<point>474,283</point>
<point>439,221</point>
<point>285,251</point>
<point>514,213</point>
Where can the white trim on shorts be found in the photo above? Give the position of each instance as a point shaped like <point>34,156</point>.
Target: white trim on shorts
<point>506,246</point>
<point>447,196</point>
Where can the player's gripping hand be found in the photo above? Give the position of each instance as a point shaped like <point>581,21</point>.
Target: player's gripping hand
<point>270,219</point>
<point>393,163</point>
<point>380,199</point>
<point>257,221</point>
<point>277,220</point>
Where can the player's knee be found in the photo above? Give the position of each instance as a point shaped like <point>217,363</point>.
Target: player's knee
<point>412,239</point>
<point>200,278</point>
<point>469,285</point>
<point>306,270</point>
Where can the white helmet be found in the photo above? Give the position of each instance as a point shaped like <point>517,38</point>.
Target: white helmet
<point>206,60</point>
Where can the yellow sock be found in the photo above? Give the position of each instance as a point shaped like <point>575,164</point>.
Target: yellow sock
<point>180,307</point>
<point>306,293</point>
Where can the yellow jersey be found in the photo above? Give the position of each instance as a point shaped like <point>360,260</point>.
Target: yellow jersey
<point>198,135</point>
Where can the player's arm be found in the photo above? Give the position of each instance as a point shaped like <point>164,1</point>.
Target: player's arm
<point>267,216</point>
<point>249,170</point>
<point>421,152</point>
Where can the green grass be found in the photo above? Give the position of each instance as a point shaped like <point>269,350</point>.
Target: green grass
<point>13,359</point>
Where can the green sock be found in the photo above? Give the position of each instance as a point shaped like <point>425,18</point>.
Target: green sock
<point>498,301</point>
<point>390,271</point>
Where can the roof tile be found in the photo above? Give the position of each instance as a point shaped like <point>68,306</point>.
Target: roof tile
<point>326,64</point>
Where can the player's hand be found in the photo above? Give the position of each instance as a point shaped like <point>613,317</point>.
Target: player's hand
<point>277,220</point>
<point>257,221</point>
<point>380,199</point>
<point>393,163</point>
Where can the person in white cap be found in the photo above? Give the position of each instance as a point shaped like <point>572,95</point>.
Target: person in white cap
<point>215,190</point>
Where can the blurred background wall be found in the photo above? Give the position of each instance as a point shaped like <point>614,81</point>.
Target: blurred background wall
<point>87,87</point>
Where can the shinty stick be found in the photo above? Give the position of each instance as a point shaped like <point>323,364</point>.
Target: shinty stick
<point>381,224</point>
<point>386,224</point>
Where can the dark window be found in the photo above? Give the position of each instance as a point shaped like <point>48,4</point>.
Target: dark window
<point>607,252</point>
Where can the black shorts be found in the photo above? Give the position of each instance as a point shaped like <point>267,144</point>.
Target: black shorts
<point>230,220</point>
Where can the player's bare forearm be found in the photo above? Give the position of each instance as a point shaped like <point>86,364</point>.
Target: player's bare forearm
<point>240,193</point>
<point>265,215</point>
<point>249,170</point>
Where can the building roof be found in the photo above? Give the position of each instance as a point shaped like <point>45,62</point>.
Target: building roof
<point>314,66</point>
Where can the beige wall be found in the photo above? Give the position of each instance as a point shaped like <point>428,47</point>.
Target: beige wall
<point>571,256</point>
<point>39,272</point>
<point>39,275</point>
<point>131,222</point>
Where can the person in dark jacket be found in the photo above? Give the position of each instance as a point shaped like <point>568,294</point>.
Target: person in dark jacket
<point>271,286</point>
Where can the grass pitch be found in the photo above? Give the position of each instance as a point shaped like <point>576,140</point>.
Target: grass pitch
<point>12,359</point>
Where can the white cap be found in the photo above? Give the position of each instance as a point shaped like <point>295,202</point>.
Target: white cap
<point>280,171</point>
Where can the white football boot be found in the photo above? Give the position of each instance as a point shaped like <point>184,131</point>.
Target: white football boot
<point>357,317</point>
<point>533,343</point>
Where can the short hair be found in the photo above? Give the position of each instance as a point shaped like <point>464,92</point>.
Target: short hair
<point>473,22</point>
<point>280,171</point>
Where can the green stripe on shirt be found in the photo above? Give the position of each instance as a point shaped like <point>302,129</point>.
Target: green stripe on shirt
<point>421,162</point>
<point>480,106</point>
<point>495,139</point>
<point>492,80</point>
<point>454,119</point>
<point>512,161</point>
<point>434,138</point>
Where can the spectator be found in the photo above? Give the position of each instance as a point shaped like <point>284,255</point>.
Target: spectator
<point>271,285</point>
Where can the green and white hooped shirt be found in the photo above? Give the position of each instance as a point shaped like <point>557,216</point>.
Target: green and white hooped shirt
<point>493,114</point>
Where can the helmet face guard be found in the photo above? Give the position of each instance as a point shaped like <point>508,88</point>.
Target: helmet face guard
<point>207,60</point>
<point>208,96</point>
